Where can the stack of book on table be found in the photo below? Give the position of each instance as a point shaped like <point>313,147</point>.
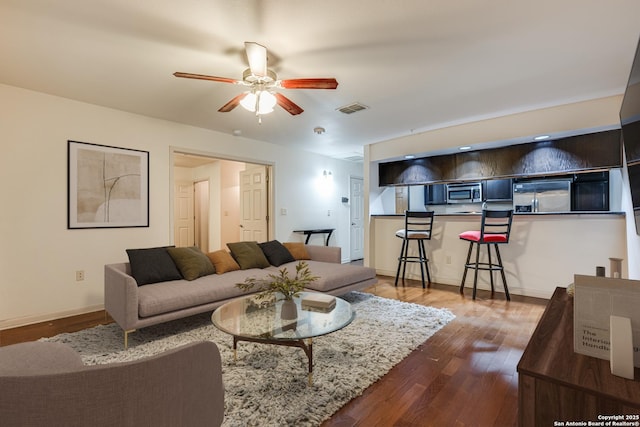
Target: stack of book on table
<point>318,302</point>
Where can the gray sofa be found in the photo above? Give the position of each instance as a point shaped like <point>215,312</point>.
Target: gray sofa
<point>133,307</point>
<point>46,384</point>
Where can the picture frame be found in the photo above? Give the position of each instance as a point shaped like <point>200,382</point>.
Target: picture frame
<point>107,187</point>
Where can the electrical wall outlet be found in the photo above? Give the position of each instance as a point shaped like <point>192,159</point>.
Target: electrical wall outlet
<point>448,259</point>
<point>79,275</point>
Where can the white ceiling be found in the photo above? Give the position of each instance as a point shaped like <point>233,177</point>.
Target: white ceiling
<point>418,64</point>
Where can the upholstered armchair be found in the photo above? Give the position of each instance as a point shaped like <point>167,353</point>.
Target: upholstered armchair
<point>46,384</point>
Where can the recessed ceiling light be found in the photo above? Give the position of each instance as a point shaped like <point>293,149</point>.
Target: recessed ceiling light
<point>541,137</point>
<point>319,130</point>
<point>466,147</point>
<point>409,156</point>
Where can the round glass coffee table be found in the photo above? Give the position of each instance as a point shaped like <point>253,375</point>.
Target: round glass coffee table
<point>277,322</point>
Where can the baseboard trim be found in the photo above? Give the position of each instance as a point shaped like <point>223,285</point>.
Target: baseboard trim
<point>514,290</point>
<point>30,320</point>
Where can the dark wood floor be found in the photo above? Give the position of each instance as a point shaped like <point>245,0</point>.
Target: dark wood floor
<point>465,375</point>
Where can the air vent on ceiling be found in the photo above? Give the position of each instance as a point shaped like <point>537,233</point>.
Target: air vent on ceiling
<point>354,158</point>
<point>352,108</point>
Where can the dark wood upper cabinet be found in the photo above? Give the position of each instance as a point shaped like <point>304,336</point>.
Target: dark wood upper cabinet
<point>417,171</point>
<point>595,151</point>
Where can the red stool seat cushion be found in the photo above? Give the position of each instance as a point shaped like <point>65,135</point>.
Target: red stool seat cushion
<point>474,236</point>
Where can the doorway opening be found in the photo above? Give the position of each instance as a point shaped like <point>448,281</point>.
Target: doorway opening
<point>217,201</point>
<point>356,216</point>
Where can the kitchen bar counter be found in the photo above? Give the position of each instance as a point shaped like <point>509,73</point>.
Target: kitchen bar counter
<point>515,213</point>
<point>545,249</point>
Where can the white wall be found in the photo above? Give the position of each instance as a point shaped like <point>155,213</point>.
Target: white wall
<point>592,114</point>
<point>39,255</point>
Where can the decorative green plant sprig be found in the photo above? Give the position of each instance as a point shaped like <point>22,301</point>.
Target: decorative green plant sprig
<point>282,283</point>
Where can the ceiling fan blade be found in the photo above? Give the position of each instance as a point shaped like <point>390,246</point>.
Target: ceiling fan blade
<point>204,77</point>
<point>257,57</point>
<point>309,83</point>
<point>233,103</point>
<point>288,104</point>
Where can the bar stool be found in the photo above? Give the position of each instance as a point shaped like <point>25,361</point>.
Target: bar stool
<point>494,230</point>
<point>417,227</point>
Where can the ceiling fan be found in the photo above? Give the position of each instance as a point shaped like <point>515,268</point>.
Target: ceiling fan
<point>261,96</point>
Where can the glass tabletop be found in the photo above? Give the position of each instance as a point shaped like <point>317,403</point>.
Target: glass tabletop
<point>251,317</point>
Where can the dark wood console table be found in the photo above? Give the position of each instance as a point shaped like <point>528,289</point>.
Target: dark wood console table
<point>309,232</point>
<point>556,384</point>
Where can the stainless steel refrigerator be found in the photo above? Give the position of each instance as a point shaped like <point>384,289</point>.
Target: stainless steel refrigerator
<point>552,195</point>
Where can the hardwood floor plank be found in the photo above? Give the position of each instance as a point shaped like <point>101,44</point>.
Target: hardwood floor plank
<point>465,375</point>
<point>54,327</point>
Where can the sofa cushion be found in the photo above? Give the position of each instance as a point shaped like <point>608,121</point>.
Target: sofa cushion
<point>330,275</point>
<point>276,253</point>
<point>152,265</point>
<point>191,262</point>
<point>223,261</point>
<point>166,297</point>
<point>248,255</point>
<point>297,250</point>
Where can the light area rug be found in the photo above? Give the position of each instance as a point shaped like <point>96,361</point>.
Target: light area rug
<point>267,385</point>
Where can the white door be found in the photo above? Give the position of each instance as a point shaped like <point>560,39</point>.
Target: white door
<point>201,215</point>
<point>183,214</point>
<point>253,204</point>
<point>357,218</point>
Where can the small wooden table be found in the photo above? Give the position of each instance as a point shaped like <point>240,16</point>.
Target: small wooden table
<point>556,384</point>
<point>309,232</point>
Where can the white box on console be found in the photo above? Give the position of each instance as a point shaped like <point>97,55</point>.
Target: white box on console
<point>596,300</point>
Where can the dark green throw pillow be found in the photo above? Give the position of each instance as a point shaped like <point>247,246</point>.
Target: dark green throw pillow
<point>276,253</point>
<point>191,262</point>
<point>152,265</point>
<point>248,255</point>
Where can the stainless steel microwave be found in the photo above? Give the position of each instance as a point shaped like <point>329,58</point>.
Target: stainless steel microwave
<point>470,192</point>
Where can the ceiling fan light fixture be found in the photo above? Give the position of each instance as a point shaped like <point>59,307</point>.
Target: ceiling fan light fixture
<point>262,95</point>
<point>260,102</point>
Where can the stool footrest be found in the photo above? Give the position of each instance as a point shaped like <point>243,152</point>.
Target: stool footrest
<point>413,259</point>
<point>485,266</point>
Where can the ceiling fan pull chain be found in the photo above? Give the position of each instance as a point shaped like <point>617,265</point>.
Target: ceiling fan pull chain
<point>258,93</point>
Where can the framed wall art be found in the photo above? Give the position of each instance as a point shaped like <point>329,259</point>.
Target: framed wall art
<point>108,187</point>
